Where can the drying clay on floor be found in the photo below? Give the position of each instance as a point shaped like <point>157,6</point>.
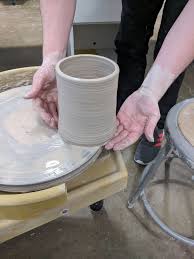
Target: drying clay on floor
<point>33,156</point>
<point>87,91</point>
<point>186,122</point>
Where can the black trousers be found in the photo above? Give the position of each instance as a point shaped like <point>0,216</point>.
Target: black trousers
<point>136,27</point>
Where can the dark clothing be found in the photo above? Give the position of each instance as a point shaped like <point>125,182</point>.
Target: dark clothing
<point>136,27</point>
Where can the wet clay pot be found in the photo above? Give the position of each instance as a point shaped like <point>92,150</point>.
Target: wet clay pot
<point>87,90</point>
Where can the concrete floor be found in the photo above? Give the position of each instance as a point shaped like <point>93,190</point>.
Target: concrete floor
<point>115,232</point>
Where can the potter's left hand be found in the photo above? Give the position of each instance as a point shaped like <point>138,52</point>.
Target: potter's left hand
<point>44,90</point>
<point>139,114</point>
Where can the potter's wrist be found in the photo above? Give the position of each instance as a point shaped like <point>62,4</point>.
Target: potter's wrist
<point>52,58</point>
<point>144,91</point>
<point>157,81</point>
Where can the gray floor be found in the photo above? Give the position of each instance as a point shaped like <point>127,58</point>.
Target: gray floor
<point>115,232</point>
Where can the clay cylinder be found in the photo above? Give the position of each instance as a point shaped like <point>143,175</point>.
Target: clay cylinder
<point>87,90</point>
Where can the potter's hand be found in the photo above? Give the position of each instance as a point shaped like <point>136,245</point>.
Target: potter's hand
<point>44,91</point>
<point>139,114</point>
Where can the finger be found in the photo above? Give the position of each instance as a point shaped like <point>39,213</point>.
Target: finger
<point>126,120</point>
<point>128,141</point>
<point>116,139</point>
<point>44,114</point>
<point>52,123</point>
<point>53,111</point>
<point>48,119</point>
<point>45,106</point>
<point>150,127</point>
<point>54,115</point>
<point>38,82</point>
<point>52,95</point>
<point>37,104</point>
<point>119,129</point>
<point>40,104</point>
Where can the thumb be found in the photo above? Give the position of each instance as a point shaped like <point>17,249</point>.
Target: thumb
<point>150,127</point>
<point>37,85</point>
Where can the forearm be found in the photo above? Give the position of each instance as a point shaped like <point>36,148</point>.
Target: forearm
<point>57,18</point>
<point>176,54</point>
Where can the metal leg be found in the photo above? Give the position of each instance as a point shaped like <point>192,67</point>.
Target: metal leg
<point>163,226</point>
<point>149,173</point>
<point>167,169</point>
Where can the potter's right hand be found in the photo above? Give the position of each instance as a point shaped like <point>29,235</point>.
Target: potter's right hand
<point>139,114</point>
<point>44,90</point>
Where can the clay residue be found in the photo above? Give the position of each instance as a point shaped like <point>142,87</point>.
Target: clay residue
<point>24,126</point>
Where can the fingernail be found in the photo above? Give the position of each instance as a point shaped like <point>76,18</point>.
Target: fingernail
<point>27,95</point>
<point>108,147</point>
<point>52,123</point>
<point>116,148</point>
<point>151,138</point>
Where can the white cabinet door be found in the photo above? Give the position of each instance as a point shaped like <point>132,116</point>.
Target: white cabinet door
<point>97,11</point>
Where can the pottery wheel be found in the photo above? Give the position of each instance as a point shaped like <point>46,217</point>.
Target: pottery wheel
<point>33,156</point>
<point>186,122</point>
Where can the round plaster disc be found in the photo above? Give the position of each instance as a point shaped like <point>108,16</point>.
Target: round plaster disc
<point>33,156</point>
